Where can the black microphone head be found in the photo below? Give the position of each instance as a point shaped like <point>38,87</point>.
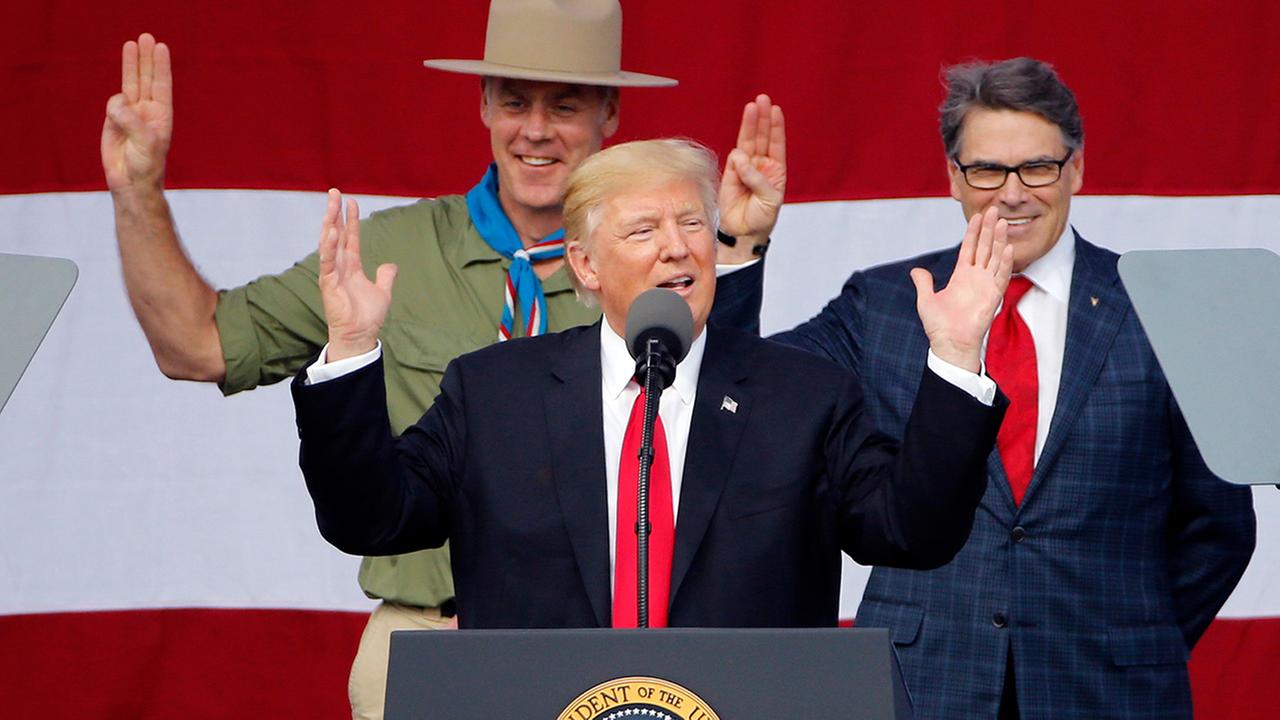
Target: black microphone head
<point>661,314</point>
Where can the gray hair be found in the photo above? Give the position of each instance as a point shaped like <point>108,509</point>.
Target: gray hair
<point>634,165</point>
<point>1023,84</point>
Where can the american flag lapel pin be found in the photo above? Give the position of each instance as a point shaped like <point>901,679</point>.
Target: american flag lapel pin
<point>729,404</point>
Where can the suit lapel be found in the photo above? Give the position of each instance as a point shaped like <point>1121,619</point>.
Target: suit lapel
<point>714,434</point>
<point>573,412</point>
<point>1095,309</point>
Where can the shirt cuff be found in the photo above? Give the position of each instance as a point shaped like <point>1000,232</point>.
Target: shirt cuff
<point>981,387</point>
<point>321,371</point>
<point>722,270</point>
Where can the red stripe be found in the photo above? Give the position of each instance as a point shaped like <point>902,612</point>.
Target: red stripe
<point>190,664</point>
<point>1176,102</point>
<point>279,663</point>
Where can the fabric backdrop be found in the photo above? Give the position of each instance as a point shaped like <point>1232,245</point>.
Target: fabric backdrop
<point>158,553</point>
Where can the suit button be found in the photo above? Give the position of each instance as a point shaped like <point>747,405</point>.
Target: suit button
<point>1018,534</point>
<point>999,620</point>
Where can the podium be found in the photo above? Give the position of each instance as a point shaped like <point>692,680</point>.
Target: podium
<point>667,674</point>
<point>32,291</point>
<point>1212,319</point>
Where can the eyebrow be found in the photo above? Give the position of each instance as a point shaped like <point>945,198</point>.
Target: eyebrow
<point>1036,159</point>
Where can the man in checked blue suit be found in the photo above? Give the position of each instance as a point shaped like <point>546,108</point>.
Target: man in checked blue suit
<point>1103,546</point>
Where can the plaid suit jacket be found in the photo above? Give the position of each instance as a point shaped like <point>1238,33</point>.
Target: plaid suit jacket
<point>1121,553</point>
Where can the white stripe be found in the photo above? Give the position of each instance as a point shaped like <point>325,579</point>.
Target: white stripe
<point>123,489</point>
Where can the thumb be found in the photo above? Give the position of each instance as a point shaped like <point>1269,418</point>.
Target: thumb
<point>924,283</point>
<point>386,277</point>
<point>122,116</point>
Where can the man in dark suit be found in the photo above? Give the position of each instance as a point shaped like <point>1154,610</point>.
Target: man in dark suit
<point>1103,546</point>
<point>769,463</point>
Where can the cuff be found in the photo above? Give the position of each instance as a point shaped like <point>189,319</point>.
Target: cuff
<point>981,387</point>
<point>320,371</point>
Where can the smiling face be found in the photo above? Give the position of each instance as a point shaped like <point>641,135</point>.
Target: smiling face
<point>1037,216</point>
<point>658,236</point>
<point>539,133</point>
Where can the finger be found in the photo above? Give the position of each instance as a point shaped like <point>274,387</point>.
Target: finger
<point>729,180</point>
<point>747,130</point>
<point>923,281</point>
<point>970,241</point>
<point>146,51</point>
<point>353,230</point>
<point>986,235</point>
<point>778,137</point>
<point>386,277</point>
<point>764,118</point>
<point>129,71</point>
<point>999,242</point>
<point>162,76</point>
<point>1005,270</point>
<point>329,232</point>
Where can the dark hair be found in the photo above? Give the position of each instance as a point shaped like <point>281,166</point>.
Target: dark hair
<point>1023,84</point>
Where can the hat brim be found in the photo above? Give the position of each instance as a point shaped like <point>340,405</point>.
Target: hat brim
<point>621,78</point>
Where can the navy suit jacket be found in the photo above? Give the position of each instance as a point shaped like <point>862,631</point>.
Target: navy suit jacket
<point>1120,554</point>
<point>508,465</point>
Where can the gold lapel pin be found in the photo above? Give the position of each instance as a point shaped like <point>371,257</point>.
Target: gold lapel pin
<point>1093,300</point>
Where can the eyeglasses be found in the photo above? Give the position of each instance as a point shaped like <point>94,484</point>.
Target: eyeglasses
<point>1033,174</point>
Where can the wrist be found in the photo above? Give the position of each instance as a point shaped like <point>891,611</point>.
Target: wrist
<point>343,348</point>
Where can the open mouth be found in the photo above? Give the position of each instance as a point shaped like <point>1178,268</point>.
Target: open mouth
<point>678,284</point>
<point>1018,222</point>
<point>536,161</point>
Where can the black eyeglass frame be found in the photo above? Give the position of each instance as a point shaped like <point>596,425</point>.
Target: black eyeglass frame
<point>1016,169</point>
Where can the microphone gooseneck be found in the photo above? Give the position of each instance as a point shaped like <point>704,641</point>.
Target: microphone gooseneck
<point>658,334</point>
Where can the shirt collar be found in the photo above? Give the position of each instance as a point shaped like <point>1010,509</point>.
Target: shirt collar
<point>617,367</point>
<point>1052,272</point>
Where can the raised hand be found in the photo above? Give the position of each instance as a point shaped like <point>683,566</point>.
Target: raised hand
<point>139,122</point>
<point>354,307</point>
<point>755,179</point>
<point>957,318</point>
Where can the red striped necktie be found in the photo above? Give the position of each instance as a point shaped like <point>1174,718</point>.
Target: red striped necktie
<point>1011,362</point>
<point>661,519</point>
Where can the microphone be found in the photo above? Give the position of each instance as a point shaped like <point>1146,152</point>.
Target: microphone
<point>658,334</point>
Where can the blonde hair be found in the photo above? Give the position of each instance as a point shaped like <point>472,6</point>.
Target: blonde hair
<point>628,166</point>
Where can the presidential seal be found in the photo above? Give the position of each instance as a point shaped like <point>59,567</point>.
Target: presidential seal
<point>638,698</point>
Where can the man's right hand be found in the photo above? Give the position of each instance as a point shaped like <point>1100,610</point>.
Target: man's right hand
<point>139,122</point>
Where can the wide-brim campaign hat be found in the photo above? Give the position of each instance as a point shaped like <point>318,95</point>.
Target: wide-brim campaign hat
<point>568,41</point>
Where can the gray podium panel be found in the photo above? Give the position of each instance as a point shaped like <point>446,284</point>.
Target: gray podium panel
<point>739,674</point>
<point>32,291</point>
<point>1214,322</point>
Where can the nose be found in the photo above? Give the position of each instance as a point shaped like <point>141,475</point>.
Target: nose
<point>1013,192</point>
<point>672,245</point>
<point>537,125</point>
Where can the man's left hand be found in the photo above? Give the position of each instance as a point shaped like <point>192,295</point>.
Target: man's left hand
<point>754,182</point>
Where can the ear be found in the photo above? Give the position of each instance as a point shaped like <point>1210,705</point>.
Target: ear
<point>610,124</point>
<point>580,263</point>
<point>1077,164</point>
<point>484,104</point>
<point>956,179</point>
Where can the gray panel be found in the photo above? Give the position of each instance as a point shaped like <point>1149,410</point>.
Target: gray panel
<point>740,674</point>
<point>32,290</point>
<point>1214,322</point>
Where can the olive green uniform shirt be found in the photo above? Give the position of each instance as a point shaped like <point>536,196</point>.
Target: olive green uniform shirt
<point>447,301</point>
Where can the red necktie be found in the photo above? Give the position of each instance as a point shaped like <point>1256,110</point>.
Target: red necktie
<point>661,536</point>
<point>1011,362</point>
